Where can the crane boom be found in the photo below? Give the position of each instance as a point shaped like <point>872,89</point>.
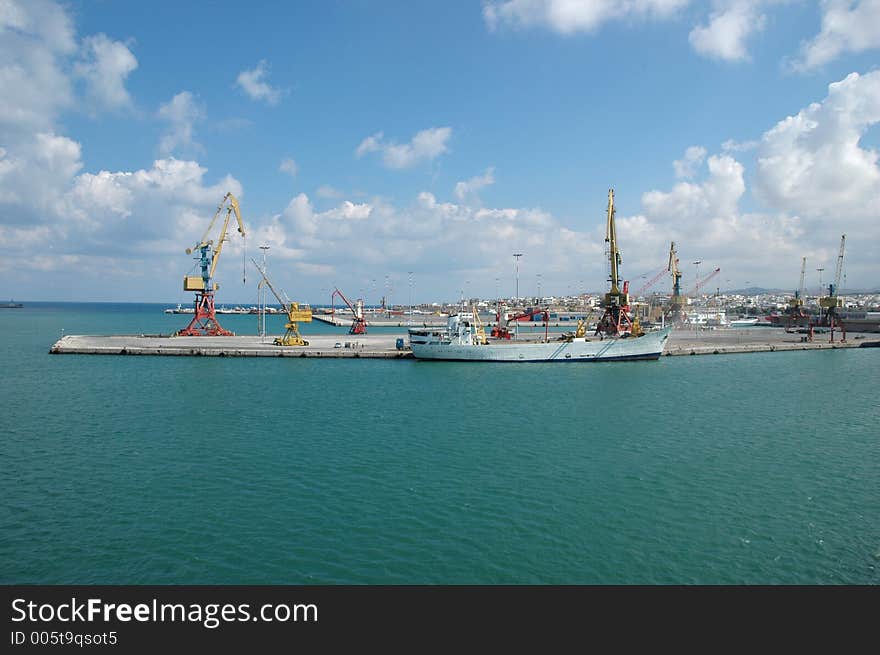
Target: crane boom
<point>294,315</point>
<point>615,321</point>
<point>359,324</point>
<point>699,285</point>
<point>800,293</point>
<point>204,322</point>
<point>207,243</point>
<point>284,304</point>
<point>839,270</point>
<point>611,240</point>
<point>650,283</point>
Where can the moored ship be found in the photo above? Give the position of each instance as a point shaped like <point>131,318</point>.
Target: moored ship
<point>461,341</point>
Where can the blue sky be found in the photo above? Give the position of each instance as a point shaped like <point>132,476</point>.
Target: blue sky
<point>366,140</point>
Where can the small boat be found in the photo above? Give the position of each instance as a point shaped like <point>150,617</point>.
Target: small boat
<point>181,310</point>
<point>744,322</point>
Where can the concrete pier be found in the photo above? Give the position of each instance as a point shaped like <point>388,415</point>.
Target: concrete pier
<point>384,346</point>
<point>378,346</point>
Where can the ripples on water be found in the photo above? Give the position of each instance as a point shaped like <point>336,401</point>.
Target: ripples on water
<point>747,469</point>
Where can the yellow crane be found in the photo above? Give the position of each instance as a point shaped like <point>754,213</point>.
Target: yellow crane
<point>828,305</point>
<point>677,302</point>
<point>204,322</point>
<point>615,321</point>
<point>479,328</point>
<point>295,315</point>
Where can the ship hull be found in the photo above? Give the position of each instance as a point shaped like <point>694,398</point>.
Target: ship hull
<point>592,349</point>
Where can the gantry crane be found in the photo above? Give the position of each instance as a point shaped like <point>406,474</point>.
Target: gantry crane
<point>796,314</point>
<point>677,301</point>
<point>615,320</point>
<point>204,322</point>
<point>295,315</point>
<point>828,305</point>
<point>359,324</point>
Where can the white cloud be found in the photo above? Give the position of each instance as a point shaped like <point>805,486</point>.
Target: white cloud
<point>327,191</point>
<point>814,180</point>
<point>446,243</point>
<point>705,220</point>
<point>424,146</point>
<point>127,223</point>
<point>288,166</point>
<point>42,19</point>
<point>813,163</point>
<point>847,26</point>
<point>687,166</point>
<point>182,112</point>
<point>371,144</point>
<point>87,227</point>
<point>253,84</point>
<point>469,189</point>
<point>104,67</point>
<point>36,172</point>
<point>36,37</point>
<point>728,29</point>
<point>738,146</point>
<point>570,16</point>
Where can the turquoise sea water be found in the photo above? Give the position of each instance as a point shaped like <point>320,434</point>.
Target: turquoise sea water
<point>742,469</point>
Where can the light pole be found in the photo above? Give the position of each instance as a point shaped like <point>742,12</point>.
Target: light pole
<point>820,279</point>
<point>516,257</point>
<point>410,276</point>
<point>261,298</point>
<point>539,288</point>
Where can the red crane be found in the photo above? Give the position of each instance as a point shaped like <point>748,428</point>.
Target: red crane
<point>503,332</point>
<point>700,283</point>
<point>651,282</point>
<point>359,324</point>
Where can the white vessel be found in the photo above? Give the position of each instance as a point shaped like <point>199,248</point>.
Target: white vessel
<point>458,341</point>
<point>744,322</point>
<point>181,310</point>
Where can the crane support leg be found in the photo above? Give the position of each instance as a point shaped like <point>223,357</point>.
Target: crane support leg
<point>204,322</point>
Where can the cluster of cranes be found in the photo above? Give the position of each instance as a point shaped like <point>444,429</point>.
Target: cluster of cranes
<point>616,319</point>
<point>204,321</point>
<point>829,304</point>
